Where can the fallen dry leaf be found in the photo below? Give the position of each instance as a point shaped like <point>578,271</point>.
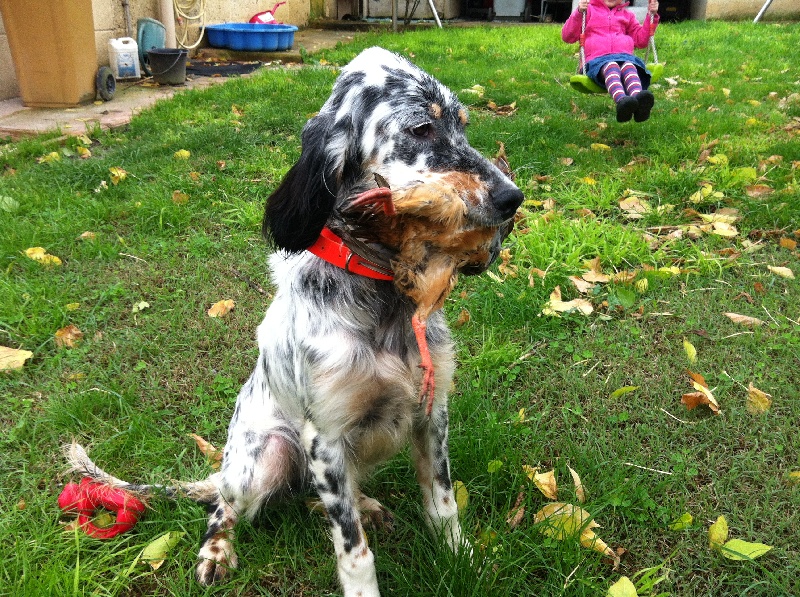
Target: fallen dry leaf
<point>517,513</point>
<point>117,174</point>
<point>788,243</point>
<point>758,402</point>
<point>582,285</point>
<point>68,336</point>
<point>595,273</point>
<point>13,358</point>
<point>212,454</point>
<point>565,521</point>
<point>784,272</point>
<point>555,305</point>
<point>580,492</point>
<point>221,308</point>
<point>546,482</point>
<point>744,319</point>
<point>757,191</point>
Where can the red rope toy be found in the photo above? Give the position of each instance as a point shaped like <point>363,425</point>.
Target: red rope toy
<point>90,495</point>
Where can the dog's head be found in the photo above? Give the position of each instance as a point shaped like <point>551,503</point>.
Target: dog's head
<point>386,116</point>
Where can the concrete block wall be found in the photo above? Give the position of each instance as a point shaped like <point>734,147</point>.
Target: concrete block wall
<point>8,78</point>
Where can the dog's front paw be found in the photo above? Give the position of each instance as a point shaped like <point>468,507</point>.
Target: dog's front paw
<point>374,514</point>
<point>215,563</point>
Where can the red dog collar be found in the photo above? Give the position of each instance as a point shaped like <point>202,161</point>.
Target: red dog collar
<point>332,249</point>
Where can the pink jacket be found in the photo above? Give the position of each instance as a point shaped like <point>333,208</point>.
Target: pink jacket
<point>608,30</point>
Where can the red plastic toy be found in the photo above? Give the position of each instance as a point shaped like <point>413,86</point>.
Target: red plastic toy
<point>268,16</point>
<point>90,495</point>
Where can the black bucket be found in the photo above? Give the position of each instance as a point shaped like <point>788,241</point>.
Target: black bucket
<point>168,65</point>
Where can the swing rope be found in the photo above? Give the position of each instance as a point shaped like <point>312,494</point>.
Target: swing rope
<point>581,82</point>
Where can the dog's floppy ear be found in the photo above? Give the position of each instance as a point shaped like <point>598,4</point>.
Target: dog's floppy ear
<point>298,209</point>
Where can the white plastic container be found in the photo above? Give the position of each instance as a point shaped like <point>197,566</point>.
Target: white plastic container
<point>123,57</point>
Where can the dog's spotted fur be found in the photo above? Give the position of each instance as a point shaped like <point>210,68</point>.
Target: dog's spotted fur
<point>335,388</point>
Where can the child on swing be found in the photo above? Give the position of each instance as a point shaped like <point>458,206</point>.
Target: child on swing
<point>611,35</point>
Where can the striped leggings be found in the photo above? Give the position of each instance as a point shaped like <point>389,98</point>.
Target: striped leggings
<point>621,80</point>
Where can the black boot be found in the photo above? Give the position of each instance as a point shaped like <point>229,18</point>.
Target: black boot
<point>626,108</point>
<point>646,101</point>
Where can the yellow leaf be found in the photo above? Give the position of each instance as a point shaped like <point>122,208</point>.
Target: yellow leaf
<point>68,336</point>
<point>600,147</point>
<point>691,351</point>
<point>683,522</point>
<point>42,256</point>
<point>622,588</point>
<point>784,272</point>
<point>117,174</point>
<point>794,477</point>
<point>546,482</point>
<point>53,156</point>
<point>140,306</point>
<point>530,471</point>
<point>622,391</point>
<point>462,496</point>
<point>720,216</point>
<point>13,358</point>
<point>157,550</point>
<point>757,401</point>
<point>83,152</point>
<point>744,319</point>
<point>712,402</point>
<point>182,154</point>
<point>724,229</point>
<point>718,533</point>
<point>563,521</point>
<point>580,492</point>
<point>641,285</point>
<point>72,306</point>
<point>736,549</point>
<point>180,197</point>
<point>588,180</point>
<point>212,454</point>
<point>221,308</point>
<point>718,160</point>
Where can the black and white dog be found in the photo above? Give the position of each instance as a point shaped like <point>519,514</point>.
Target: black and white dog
<point>335,390</point>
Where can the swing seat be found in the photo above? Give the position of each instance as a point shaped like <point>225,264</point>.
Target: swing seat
<point>584,84</point>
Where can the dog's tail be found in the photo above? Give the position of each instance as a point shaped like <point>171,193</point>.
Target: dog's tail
<point>202,492</point>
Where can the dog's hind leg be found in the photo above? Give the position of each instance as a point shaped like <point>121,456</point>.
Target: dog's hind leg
<point>330,474</point>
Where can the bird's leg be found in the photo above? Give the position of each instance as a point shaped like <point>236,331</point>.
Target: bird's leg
<point>428,381</point>
<point>377,196</point>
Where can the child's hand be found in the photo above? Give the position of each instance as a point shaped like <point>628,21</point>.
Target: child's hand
<point>584,4</point>
<point>652,6</point>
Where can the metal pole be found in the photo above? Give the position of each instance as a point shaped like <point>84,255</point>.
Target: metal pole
<point>762,11</point>
<point>436,16</point>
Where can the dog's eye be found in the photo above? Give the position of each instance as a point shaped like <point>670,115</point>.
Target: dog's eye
<point>422,131</point>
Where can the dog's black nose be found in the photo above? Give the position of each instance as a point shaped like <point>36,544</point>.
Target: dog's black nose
<point>507,201</point>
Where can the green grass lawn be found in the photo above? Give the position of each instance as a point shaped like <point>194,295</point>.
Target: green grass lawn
<point>713,180</point>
